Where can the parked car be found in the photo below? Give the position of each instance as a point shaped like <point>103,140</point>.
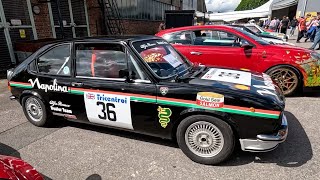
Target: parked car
<point>267,37</point>
<point>13,168</point>
<point>263,31</point>
<point>142,84</point>
<point>291,67</point>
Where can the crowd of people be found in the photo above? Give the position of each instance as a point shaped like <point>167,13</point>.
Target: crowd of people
<point>308,28</point>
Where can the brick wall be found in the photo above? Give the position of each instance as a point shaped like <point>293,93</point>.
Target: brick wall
<point>141,26</point>
<point>95,18</point>
<point>42,20</point>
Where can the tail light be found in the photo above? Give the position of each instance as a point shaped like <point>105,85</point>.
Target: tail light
<point>9,87</point>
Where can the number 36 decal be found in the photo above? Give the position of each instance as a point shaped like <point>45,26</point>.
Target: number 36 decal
<point>108,109</point>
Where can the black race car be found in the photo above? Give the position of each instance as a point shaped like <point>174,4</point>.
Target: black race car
<point>142,84</point>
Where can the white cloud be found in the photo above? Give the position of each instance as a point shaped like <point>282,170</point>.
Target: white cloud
<point>222,5</point>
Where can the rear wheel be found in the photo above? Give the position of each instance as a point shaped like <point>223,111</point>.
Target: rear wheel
<point>35,111</point>
<point>205,139</point>
<point>287,79</point>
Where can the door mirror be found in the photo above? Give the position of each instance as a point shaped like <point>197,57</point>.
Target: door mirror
<point>245,45</point>
<point>124,73</point>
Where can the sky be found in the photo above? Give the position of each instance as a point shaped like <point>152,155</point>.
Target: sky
<point>222,5</point>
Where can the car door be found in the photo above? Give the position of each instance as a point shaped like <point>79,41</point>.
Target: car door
<point>182,41</point>
<point>51,78</point>
<point>103,93</point>
<point>221,48</point>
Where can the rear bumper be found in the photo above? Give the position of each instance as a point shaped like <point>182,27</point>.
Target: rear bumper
<point>265,142</point>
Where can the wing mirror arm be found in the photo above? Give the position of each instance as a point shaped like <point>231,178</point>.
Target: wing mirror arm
<point>124,73</point>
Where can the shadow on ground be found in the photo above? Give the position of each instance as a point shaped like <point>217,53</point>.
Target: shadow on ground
<point>294,152</point>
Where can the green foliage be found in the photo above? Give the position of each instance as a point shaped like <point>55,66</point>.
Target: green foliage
<point>250,4</point>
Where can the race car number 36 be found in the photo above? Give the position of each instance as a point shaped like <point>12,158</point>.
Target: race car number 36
<point>108,109</point>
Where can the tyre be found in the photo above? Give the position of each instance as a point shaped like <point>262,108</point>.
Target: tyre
<point>205,139</point>
<point>287,78</point>
<point>35,111</point>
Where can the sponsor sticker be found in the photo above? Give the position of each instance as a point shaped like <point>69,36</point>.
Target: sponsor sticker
<point>164,90</point>
<point>210,100</point>
<point>164,116</point>
<point>58,106</point>
<point>48,87</point>
<point>242,87</point>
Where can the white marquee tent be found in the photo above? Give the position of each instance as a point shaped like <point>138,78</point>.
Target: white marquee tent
<point>262,11</point>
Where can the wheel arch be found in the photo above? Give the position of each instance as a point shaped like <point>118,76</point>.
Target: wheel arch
<point>289,66</point>
<point>296,69</point>
<point>29,93</point>
<point>191,112</point>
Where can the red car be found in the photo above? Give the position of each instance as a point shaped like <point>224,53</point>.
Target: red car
<point>16,169</point>
<point>291,67</point>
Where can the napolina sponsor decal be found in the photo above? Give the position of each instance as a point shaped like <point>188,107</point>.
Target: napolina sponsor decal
<point>51,87</point>
<point>210,99</point>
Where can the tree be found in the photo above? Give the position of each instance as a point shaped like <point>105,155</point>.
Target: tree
<point>250,4</point>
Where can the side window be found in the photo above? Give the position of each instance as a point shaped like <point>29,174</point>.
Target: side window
<point>179,38</point>
<point>56,61</point>
<point>215,38</point>
<point>254,29</point>
<point>105,61</point>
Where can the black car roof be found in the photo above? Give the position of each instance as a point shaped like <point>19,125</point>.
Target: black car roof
<point>125,38</point>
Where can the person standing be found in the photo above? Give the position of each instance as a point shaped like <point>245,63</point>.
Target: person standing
<point>162,26</point>
<point>317,37</point>
<point>293,25</point>
<point>273,24</point>
<point>302,28</point>
<point>284,25</point>
<point>278,23</point>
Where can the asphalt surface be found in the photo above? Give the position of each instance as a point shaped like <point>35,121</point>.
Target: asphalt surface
<point>76,151</point>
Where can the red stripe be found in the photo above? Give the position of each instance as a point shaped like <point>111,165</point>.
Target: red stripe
<point>115,93</point>
<point>29,84</point>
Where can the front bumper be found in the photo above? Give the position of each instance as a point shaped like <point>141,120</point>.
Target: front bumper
<point>265,142</point>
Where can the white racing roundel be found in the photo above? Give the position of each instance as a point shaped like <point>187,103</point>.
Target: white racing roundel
<point>108,109</point>
<point>227,75</point>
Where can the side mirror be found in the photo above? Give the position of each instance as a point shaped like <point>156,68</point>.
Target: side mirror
<point>245,45</point>
<point>124,73</point>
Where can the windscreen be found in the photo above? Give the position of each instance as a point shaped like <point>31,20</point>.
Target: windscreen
<point>161,57</point>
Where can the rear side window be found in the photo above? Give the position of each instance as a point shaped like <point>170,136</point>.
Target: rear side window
<point>214,38</point>
<point>56,61</point>
<point>179,38</point>
<point>105,61</point>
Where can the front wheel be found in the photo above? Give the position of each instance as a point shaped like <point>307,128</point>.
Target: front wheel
<point>205,139</point>
<point>287,79</point>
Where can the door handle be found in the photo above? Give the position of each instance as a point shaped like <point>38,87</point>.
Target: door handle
<point>76,84</point>
<point>195,53</point>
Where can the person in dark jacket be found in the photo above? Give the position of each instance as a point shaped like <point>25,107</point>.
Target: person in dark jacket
<point>284,25</point>
<point>293,25</point>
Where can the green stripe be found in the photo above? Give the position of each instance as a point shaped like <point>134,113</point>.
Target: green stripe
<point>76,92</point>
<point>21,86</point>
<point>148,100</point>
<point>227,110</point>
<point>190,105</point>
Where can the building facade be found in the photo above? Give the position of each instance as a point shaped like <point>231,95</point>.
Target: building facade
<point>308,7</point>
<point>25,20</point>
